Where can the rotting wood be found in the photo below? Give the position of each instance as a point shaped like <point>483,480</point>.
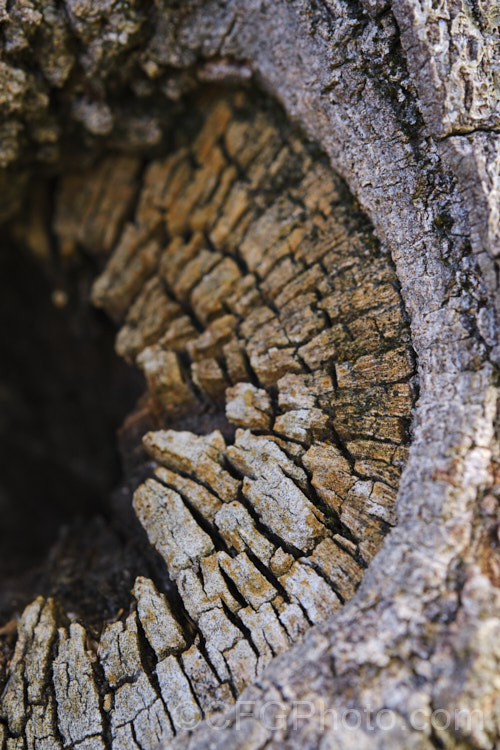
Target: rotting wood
<point>421,633</point>
<point>295,329</point>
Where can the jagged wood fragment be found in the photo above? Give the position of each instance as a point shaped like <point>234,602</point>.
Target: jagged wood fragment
<point>162,629</point>
<point>138,715</point>
<point>171,528</point>
<point>119,651</point>
<point>211,694</point>
<point>79,716</point>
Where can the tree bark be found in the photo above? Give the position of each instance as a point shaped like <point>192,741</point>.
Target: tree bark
<point>263,287</point>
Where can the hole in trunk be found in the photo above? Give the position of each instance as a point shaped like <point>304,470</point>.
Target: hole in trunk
<point>63,394</point>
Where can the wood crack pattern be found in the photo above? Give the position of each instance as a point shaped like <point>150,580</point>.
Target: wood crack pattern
<point>269,326</point>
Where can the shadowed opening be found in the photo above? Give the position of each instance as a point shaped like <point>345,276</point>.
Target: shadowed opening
<point>63,394</point>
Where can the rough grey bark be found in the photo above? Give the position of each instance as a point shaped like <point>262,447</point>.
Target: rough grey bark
<point>404,100</point>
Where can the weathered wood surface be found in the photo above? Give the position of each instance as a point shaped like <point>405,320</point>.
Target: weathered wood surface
<point>411,124</point>
<point>254,296</point>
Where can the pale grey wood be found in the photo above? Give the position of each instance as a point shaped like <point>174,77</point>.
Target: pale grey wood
<point>416,139</point>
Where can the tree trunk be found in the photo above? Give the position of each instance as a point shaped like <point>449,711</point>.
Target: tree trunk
<point>290,212</point>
